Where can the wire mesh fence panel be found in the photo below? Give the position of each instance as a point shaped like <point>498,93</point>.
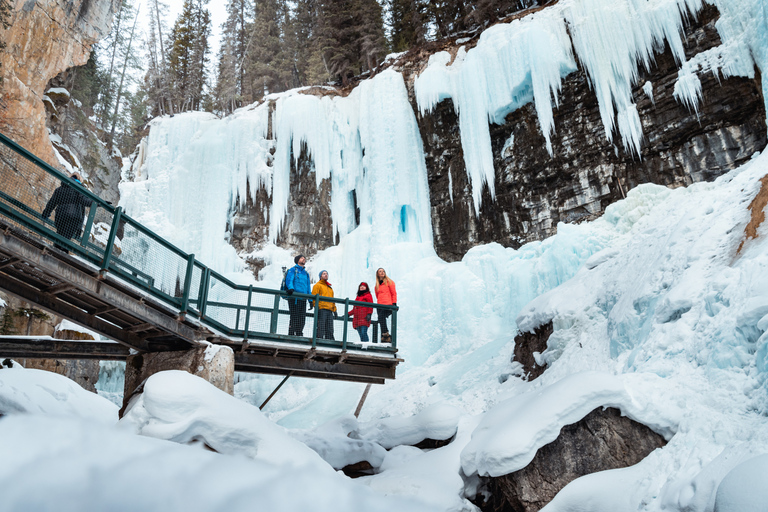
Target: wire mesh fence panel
<point>226,305</point>
<point>195,289</point>
<point>98,225</point>
<point>262,308</point>
<point>146,261</point>
<point>40,202</point>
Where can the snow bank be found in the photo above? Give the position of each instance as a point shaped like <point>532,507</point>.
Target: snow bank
<point>72,465</point>
<point>181,407</point>
<point>27,391</point>
<point>511,433</point>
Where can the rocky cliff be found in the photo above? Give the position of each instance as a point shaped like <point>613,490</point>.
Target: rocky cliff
<point>45,37</point>
<point>586,172</point>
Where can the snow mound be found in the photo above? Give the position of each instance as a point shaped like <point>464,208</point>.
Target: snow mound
<point>438,421</point>
<point>177,406</point>
<point>72,465</point>
<point>510,434</point>
<point>432,475</point>
<point>27,391</point>
<point>744,489</point>
<point>332,441</point>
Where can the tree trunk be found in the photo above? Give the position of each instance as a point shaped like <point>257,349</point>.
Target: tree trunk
<point>162,54</point>
<point>122,79</point>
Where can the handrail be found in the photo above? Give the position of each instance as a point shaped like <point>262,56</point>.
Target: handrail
<point>158,267</point>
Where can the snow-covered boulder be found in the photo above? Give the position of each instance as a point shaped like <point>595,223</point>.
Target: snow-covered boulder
<point>41,392</point>
<point>177,406</point>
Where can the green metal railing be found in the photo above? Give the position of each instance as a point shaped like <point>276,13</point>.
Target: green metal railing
<point>110,239</point>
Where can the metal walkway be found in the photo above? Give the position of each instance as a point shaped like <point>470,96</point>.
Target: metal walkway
<point>118,278</point>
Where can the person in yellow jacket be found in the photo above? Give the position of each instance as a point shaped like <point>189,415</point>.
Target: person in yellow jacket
<point>326,311</point>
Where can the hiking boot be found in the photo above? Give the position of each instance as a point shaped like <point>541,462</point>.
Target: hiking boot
<point>386,338</point>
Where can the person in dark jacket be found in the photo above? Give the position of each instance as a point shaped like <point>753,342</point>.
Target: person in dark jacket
<point>70,206</point>
<point>362,315</point>
<point>297,280</point>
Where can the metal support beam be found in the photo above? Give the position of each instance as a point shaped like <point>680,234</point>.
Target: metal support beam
<point>55,290</point>
<point>361,370</point>
<point>49,348</point>
<point>9,262</point>
<point>275,391</point>
<point>362,401</point>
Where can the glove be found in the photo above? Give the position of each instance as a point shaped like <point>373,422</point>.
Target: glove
<point>335,315</point>
<point>311,305</point>
<point>368,318</point>
<point>289,291</point>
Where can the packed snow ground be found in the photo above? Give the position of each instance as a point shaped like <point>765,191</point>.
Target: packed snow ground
<point>654,310</point>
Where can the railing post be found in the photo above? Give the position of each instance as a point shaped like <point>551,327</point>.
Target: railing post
<point>248,312</point>
<point>187,284</point>
<point>203,296</point>
<point>314,323</point>
<point>275,313</point>
<point>111,240</point>
<point>394,328</point>
<point>89,225</point>
<point>346,321</point>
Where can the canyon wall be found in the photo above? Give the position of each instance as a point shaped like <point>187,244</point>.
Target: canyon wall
<point>585,173</point>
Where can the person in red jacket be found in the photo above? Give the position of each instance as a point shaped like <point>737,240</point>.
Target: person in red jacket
<point>385,294</point>
<point>361,315</point>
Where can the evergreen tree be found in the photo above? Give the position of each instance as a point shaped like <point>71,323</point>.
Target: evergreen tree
<point>229,90</point>
<point>371,39</point>
<point>188,55</point>
<point>121,50</point>
<point>407,23</point>
<point>88,81</point>
<point>131,125</point>
<point>337,37</point>
<point>157,84</point>
<point>268,67</point>
<point>301,39</point>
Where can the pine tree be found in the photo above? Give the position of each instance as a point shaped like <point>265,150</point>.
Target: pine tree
<point>88,81</point>
<point>371,39</point>
<point>267,65</point>
<point>407,23</point>
<point>121,52</point>
<point>229,90</point>
<point>337,37</point>
<point>188,54</point>
<point>128,59</point>
<point>301,36</point>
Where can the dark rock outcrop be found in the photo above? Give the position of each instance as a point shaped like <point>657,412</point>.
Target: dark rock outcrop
<point>535,191</point>
<point>526,344</point>
<point>308,226</point>
<point>601,441</point>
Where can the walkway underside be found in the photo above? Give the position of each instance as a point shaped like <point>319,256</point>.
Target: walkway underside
<point>71,288</point>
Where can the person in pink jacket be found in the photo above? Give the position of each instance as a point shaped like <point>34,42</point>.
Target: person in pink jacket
<point>386,293</point>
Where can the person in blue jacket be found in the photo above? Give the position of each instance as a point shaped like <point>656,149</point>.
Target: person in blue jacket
<point>297,280</point>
